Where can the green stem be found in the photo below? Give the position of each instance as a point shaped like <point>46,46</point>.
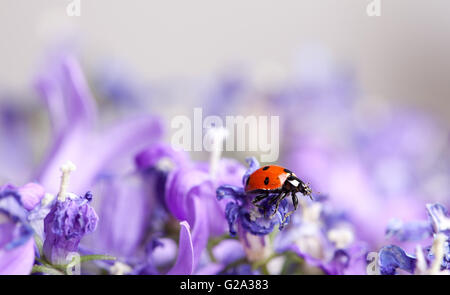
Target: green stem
<point>45,270</point>
<point>96,257</point>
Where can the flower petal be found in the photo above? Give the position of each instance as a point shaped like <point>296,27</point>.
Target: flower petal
<point>440,219</point>
<point>392,257</point>
<point>17,261</point>
<point>185,260</point>
<point>253,165</point>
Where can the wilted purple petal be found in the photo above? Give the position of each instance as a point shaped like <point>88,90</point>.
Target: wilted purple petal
<point>65,226</point>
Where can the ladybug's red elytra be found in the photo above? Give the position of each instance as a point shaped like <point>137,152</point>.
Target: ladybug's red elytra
<point>277,182</point>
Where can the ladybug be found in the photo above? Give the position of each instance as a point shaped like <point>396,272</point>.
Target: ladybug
<point>277,182</point>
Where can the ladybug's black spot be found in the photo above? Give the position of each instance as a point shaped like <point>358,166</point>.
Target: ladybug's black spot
<point>287,171</point>
<point>265,168</point>
<point>266,181</point>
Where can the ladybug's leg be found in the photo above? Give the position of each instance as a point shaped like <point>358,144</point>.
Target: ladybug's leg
<point>295,201</point>
<point>280,197</point>
<point>259,198</point>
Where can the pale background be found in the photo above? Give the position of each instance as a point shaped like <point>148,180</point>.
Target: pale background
<point>402,55</point>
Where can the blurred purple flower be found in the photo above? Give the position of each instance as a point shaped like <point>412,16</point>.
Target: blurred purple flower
<point>16,235</point>
<point>190,195</point>
<point>325,238</point>
<point>73,116</point>
<point>66,224</point>
<point>184,264</point>
<point>118,232</point>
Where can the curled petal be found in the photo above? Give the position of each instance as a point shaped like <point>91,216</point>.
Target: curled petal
<point>185,260</point>
<point>253,165</point>
<point>440,219</point>
<point>181,185</point>
<point>232,214</point>
<point>230,192</point>
<point>392,257</point>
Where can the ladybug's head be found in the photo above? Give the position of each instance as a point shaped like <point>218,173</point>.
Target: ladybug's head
<point>306,189</point>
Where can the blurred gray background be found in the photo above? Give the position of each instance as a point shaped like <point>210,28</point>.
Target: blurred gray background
<point>401,55</point>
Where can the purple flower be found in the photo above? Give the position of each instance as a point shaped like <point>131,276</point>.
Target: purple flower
<point>241,213</point>
<point>190,195</point>
<point>437,258</point>
<point>184,265</point>
<point>252,224</point>
<point>118,232</point>
<point>16,235</point>
<point>66,224</point>
<point>73,116</point>
<point>392,257</point>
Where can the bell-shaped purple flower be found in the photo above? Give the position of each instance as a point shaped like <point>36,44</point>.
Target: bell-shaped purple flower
<point>66,224</point>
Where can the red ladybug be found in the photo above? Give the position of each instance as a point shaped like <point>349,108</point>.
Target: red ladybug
<point>277,182</point>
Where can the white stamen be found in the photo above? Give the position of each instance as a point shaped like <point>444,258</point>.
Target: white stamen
<point>421,264</point>
<point>120,268</point>
<point>66,169</point>
<point>438,251</point>
<point>218,136</point>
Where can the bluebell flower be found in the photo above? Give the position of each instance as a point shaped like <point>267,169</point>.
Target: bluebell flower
<point>190,194</point>
<point>16,235</point>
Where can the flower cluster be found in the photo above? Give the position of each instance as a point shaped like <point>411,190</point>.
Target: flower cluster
<point>137,205</point>
<point>434,259</point>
